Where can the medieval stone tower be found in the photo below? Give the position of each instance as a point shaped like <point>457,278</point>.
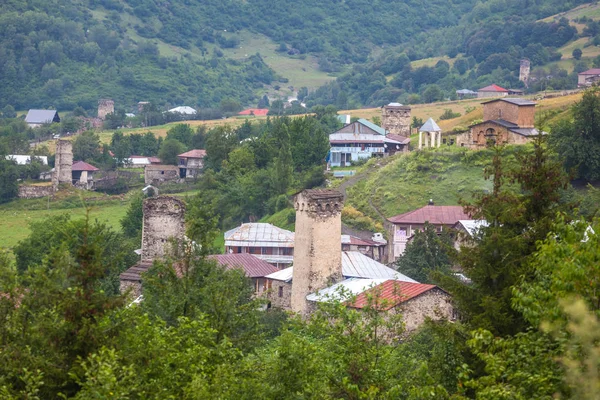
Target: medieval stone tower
<point>164,219</point>
<point>524,71</point>
<point>63,163</point>
<point>395,118</point>
<point>105,107</point>
<point>317,253</point>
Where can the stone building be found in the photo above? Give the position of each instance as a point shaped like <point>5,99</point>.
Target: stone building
<point>505,121</point>
<point>524,69</point>
<point>164,219</point>
<point>63,163</point>
<point>317,251</point>
<point>395,119</point>
<point>492,91</point>
<point>158,174</point>
<point>588,78</point>
<point>83,175</point>
<point>191,163</point>
<point>105,107</point>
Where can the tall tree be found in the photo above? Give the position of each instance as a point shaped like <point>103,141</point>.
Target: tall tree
<point>169,150</point>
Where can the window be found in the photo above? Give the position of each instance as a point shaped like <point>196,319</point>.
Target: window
<point>280,291</point>
<point>162,172</point>
<point>287,251</point>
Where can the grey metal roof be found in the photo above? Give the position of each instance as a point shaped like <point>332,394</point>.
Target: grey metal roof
<point>345,289</point>
<point>527,131</point>
<point>260,235</point>
<point>393,104</point>
<point>372,126</point>
<point>505,123</point>
<point>513,100</point>
<point>465,91</point>
<point>430,126</point>
<point>472,226</point>
<point>40,116</point>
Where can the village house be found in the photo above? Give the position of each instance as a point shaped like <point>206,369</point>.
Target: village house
<point>191,163</point>
<point>37,118</point>
<point>140,161</point>
<point>361,140</point>
<point>322,273</point>
<point>492,91</point>
<point>158,174</point>
<point>402,227</point>
<point>505,121</point>
<point>467,229</point>
<point>588,78</point>
<point>374,248</point>
<point>83,175</point>
<point>183,110</point>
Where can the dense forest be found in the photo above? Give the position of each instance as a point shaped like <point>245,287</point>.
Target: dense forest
<point>65,54</point>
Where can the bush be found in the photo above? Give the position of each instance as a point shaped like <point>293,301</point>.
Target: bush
<point>449,114</point>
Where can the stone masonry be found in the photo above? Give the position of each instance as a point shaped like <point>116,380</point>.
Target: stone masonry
<point>395,118</point>
<point>524,69</point>
<point>164,219</point>
<point>35,192</point>
<point>105,107</point>
<point>317,255</point>
<point>63,163</point>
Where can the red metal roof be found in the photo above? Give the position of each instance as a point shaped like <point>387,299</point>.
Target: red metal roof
<point>493,88</point>
<point>193,154</point>
<point>255,111</point>
<point>83,166</point>
<point>253,266</point>
<point>154,160</point>
<point>389,294</point>
<point>445,215</point>
<point>593,71</point>
<point>398,138</point>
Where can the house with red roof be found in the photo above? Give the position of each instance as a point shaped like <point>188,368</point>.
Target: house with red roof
<point>492,90</point>
<point>402,227</point>
<point>588,78</point>
<point>82,174</point>
<point>191,163</point>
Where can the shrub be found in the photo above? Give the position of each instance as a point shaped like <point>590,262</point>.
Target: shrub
<point>449,114</point>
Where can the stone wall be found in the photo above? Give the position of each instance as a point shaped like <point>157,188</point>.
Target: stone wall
<point>164,219</point>
<point>479,135</point>
<point>135,288</point>
<point>63,163</point>
<point>157,174</point>
<point>317,244</point>
<point>396,119</point>
<point>284,301</point>
<point>434,304</point>
<point>105,107</point>
<point>524,116</point>
<point>525,67</point>
<point>34,192</point>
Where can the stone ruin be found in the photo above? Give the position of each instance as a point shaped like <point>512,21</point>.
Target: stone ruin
<point>164,220</point>
<point>105,107</point>
<point>395,119</point>
<point>525,68</point>
<point>317,256</point>
<point>63,163</point>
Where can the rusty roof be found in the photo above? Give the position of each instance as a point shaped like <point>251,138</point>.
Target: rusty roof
<point>446,215</point>
<point>135,273</point>
<point>193,154</point>
<point>83,166</point>
<point>389,294</point>
<point>593,71</point>
<point>253,266</point>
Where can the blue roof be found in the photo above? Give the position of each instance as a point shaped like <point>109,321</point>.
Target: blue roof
<point>372,126</point>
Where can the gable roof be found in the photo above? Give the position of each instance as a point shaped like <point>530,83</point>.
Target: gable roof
<point>493,88</point>
<point>356,241</point>
<point>391,138</point>
<point>446,215</point>
<point>41,116</point>
<point>513,100</point>
<point>83,166</point>
<point>185,110</point>
<point>253,266</point>
<point>196,153</point>
<point>259,234</point>
<point>390,293</point>
<point>593,71</point>
<point>344,289</point>
<point>372,126</point>
<point>430,126</point>
<point>471,226</point>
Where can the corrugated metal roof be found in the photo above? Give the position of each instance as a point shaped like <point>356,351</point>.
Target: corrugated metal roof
<point>354,265</point>
<point>253,266</point>
<point>527,131</point>
<point>430,126</point>
<point>593,71</point>
<point>472,226</point>
<point>391,138</point>
<point>185,110</point>
<point>357,138</point>
<point>513,100</point>
<point>372,126</point>
<point>196,153</point>
<point>390,293</point>
<point>345,289</point>
<point>260,235</point>
<point>493,88</point>
<point>24,160</point>
<point>41,116</point>
<point>447,215</point>
<point>83,166</point>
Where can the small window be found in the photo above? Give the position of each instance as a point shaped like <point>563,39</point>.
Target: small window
<point>162,172</point>
<point>280,291</point>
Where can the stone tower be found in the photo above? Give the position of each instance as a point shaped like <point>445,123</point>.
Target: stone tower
<point>105,107</point>
<point>63,163</point>
<point>317,247</point>
<point>524,72</point>
<point>395,118</point>
<point>164,219</point>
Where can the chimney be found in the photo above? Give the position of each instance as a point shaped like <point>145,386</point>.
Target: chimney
<point>430,202</point>
<point>317,254</point>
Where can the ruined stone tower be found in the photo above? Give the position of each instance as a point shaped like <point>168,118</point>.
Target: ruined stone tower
<point>524,71</point>
<point>105,107</point>
<point>63,163</point>
<point>395,118</point>
<point>317,254</point>
<point>164,219</point>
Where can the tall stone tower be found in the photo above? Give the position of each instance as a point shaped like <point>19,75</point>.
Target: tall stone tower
<point>395,118</point>
<point>524,71</point>
<point>105,107</point>
<point>63,163</point>
<point>164,219</point>
<point>317,247</point>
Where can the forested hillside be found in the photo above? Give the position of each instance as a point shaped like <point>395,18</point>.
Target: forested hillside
<point>64,54</point>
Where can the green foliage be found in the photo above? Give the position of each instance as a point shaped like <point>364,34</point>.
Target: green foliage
<point>131,224</point>
<point>449,114</point>
<point>577,54</point>
<point>9,187</point>
<point>169,150</point>
<point>426,255</point>
<point>86,147</point>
